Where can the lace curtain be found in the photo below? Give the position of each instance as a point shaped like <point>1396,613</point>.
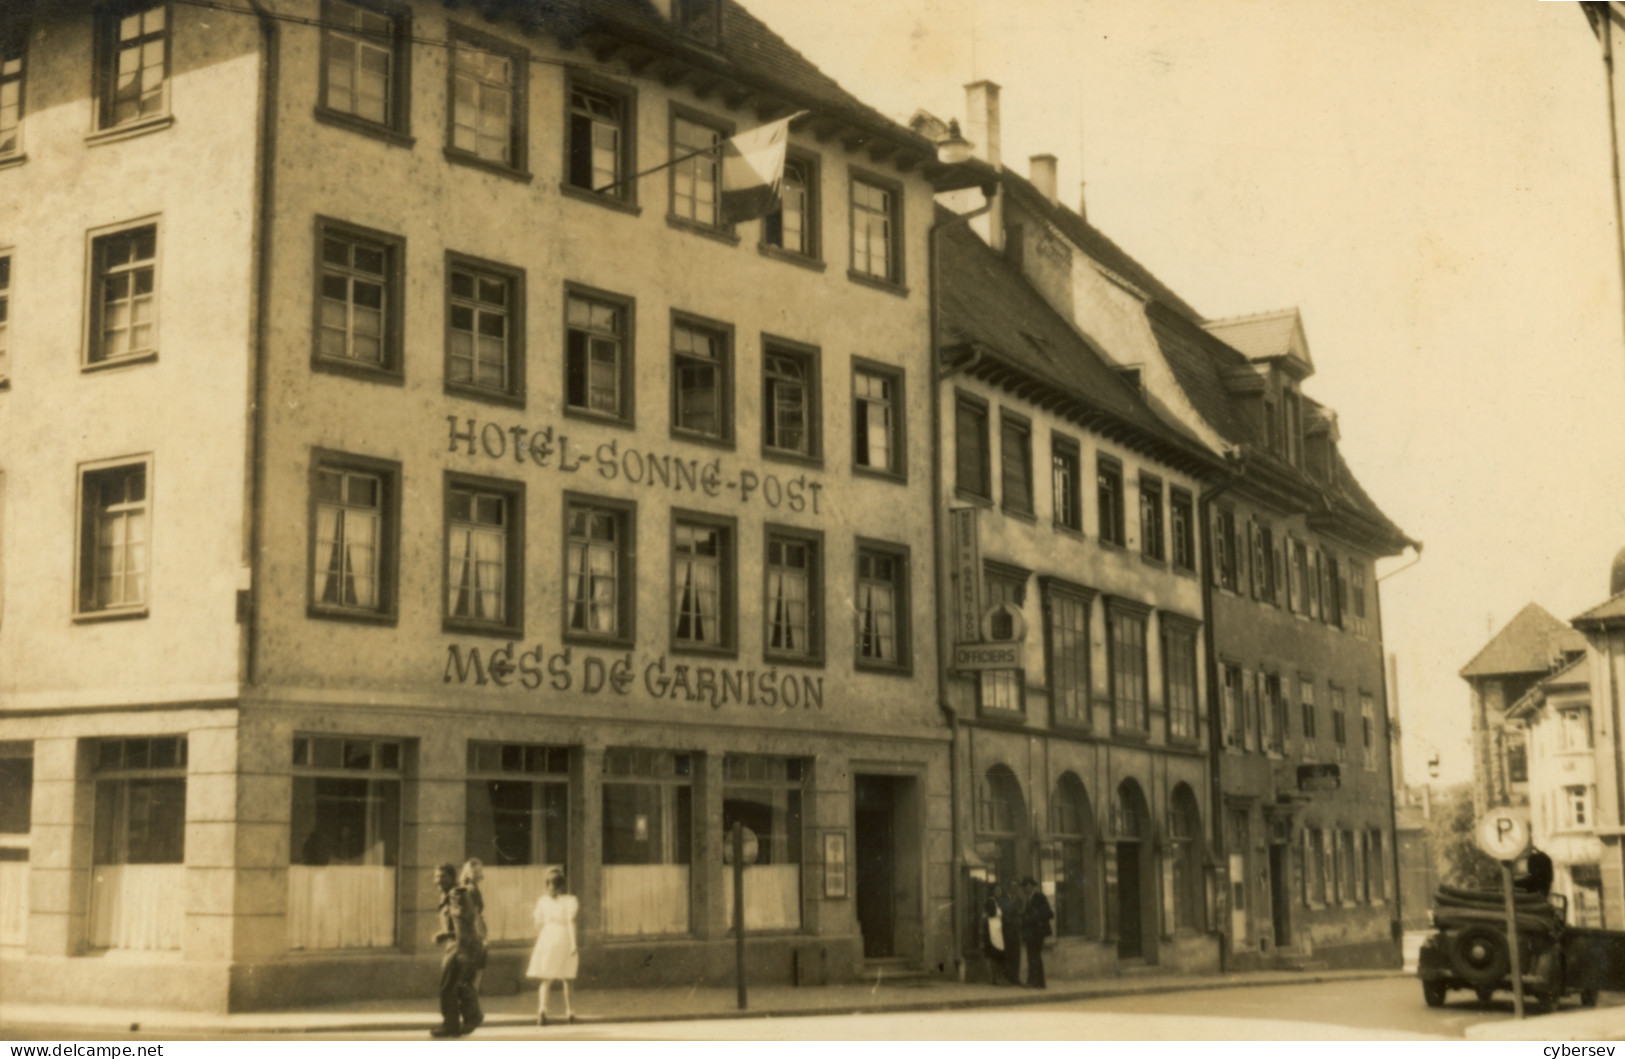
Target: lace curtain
<point>772,896</point>
<point>645,899</point>
<point>13,902</point>
<point>341,907</point>
<point>137,906</point>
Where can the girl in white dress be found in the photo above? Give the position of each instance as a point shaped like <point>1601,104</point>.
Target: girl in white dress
<point>554,956</point>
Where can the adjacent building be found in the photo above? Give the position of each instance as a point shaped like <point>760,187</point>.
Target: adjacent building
<point>1604,630</point>
<point>399,472</point>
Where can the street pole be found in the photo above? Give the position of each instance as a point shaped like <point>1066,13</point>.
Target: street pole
<point>1512,939</point>
<point>739,909</point>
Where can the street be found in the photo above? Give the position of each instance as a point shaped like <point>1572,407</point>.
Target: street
<point>1371,1009</point>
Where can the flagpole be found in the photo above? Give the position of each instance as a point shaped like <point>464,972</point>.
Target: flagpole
<point>719,145</point>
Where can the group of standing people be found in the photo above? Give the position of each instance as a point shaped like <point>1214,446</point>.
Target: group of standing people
<point>1015,917</point>
<point>462,932</point>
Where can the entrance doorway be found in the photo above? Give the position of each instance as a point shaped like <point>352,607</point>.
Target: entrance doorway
<point>1136,909</point>
<point>1280,895</point>
<point>1129,927</point>
<point>1240,843</point>
<point>886,852</point>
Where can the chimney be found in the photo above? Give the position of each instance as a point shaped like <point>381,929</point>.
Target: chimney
<point>982,117</point>
<point>1042,170</point>
<point>1083,199</point>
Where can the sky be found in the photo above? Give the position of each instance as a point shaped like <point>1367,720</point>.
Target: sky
<point>1428,182</point>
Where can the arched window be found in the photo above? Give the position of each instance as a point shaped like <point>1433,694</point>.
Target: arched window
<point>1001,819</point>
<point>1073,827</point>
<point>1185,843</point>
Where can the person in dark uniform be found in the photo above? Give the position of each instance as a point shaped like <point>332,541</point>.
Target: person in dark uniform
<point>1036,914</point>
<point>1537,875</point>
<point>465,954</point>
<point>1009,904</point>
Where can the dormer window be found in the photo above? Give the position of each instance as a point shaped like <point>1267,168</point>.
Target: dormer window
<point>700,19</point>
<point>1272,428</point>
<point>1292,427</point>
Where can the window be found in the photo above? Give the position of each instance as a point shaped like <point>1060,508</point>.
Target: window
<point>702,380</point>
<point>1348,881</point>
<point>794,617</point>
<point>355,518</point>
<point>114,530</point>
<point>1071,824</point>
<point>1368,730</point>
<point>1125,634</point>
<point>702,591</point>
<point>598,356</point>
<point>701,19</point>
<point>1377,867</point>
<point>1328,866</point>
<point>1262,539</point>
<point>1249,710</point>
<point>1066,614</point>
<point>1316,581</point>
<point>648,841</point>
<point>1517,759</point>
<point>790,413</point>
<point>882,606</point>
<point>600,155</point>
<point>972,472</point>
<point>1574,732</point>
<point>876,217</point>
<point>1182,528</point>
<point>487,92</point>
<point>1331,607</point>
<point>1300,577</point>
<point>1066,482</point>
<point>1231,706</point>
<point>1339,720</point>
<point>1306,701</point>
<point>16,790</point>
<point>1292,427</point>
<point>1278,719</point>
<point>1016,463</point>
<point>517,821</point>
<point>365,55</point>
<point>1179,677</point>
<point>1109,494</point>
<point>124,295</point>
<point>793,227</point>
<point>139,843</point>
<point>133,66</point>
<point>358,304</point>
<point>1186,892</point>
<point>877,418</point>
<point>1003,690</point>
<point>1272,427</point>
<point>13,49</point>
<point>1152,544</point>
<point>344,842</point>
<point>696,172</point>
<point>1226,560</point>
<point>764,794</point>
<point>484,329</point>
<point>598,573</point>
<point>485,550</point>
<point>5,317</point>
<point>1356,572</point>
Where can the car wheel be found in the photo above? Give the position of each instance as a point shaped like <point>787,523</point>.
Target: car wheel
<point>1433,993</point>
<point>1588,998</point>
<point>1479,955</point>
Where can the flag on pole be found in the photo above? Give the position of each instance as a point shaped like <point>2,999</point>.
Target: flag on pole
<point>753,171</point>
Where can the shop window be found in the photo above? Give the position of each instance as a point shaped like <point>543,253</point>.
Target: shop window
<point>139,843</point>
<point>517,824</point>
<point>648,821</point>
<point>765,795</point>
<point>344,842</point>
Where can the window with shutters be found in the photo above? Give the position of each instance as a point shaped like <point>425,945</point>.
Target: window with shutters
<point>1297,576</point>
<point>1338,708</point>
<point>971,466</point>
<point>1182,528</point>
<point>1306,706</point>
<point>1016,463</point>
<point>1263,565</point>
<point>1230,705</point>
<point>1275,704</point>
<point>1331,607</point>
<point>1226,559</point>
<point>598,355</point>
<point>1368,730</point>
<point>1315,581</point>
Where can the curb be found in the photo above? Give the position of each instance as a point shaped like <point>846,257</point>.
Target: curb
<point>1028,998</point>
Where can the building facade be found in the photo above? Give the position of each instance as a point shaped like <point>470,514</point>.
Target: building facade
<point>1302,824</point>
<point>457,491</point>
<point>1075,634</point>
<point>1604,629</point>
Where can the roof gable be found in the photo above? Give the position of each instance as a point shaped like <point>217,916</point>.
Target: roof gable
<point>1267,336</point>
<point>1530,643</point>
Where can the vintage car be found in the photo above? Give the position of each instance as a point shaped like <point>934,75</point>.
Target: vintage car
<point>1470,950</point>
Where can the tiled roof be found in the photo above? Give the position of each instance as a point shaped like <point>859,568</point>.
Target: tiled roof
<point>1273,334</point>
<point>1198,362</point>
<point>1613,610</point>
<point>1096,244</point>
<point>1530,643</point>
<point>988,304</point>
<point>1576,673</point>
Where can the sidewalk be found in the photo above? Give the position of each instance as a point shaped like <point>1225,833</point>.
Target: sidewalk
<point>655,1005</point>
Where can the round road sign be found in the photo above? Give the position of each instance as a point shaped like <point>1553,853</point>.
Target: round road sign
<point>1503,834</point>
